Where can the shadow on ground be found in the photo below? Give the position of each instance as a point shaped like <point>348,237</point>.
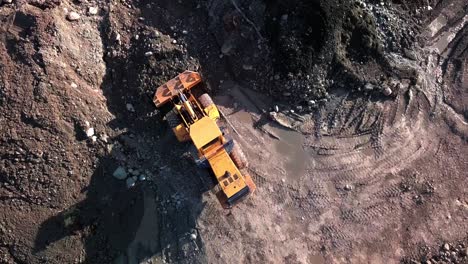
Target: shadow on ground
<point>157,217</point>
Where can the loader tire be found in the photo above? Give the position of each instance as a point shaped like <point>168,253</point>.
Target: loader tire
<point>172,119</point>
<point>205,100</point>
<point>238,157</point>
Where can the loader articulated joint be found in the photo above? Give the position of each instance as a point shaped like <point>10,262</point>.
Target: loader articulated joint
<point>203,162</point>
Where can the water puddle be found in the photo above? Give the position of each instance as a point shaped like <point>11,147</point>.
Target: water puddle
<point>289,146</point>
<point>437,25</point>
<point>316,259</point>
<point>447,37</point>
<point>442,44</point>
<point>243,117</point>
<point>288,150</point>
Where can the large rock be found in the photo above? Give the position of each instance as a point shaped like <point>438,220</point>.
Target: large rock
<point>90,132</point>
<point>369,87</point>
<point>93,10</point>
<point>131,182</point>
<point>73,16</point>
<point>120,173</point>
<point>387,91</point>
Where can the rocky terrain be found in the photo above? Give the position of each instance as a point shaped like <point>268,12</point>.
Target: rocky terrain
<point>352,113</point>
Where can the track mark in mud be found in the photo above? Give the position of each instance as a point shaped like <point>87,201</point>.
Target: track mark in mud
<point>367,215</point>
<point>257,177</point>
<point>313,201</point>
<point>376,136</point>
<point>392,191</point>
<point>335,236</point>
<point>362,150</point>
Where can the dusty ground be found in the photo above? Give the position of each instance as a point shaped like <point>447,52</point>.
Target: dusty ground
<point>354,120</point>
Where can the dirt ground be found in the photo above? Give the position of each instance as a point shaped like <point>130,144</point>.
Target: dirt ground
<point>353,115</point>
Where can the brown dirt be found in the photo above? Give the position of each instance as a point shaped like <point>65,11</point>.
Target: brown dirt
<point>358,176</point>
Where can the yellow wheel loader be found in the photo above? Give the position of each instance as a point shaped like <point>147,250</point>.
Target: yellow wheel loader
<point>195,119</point>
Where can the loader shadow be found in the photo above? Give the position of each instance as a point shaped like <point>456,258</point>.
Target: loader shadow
<point>107,218</point>
<point>157,217</point>
<point>121,225</point>
<point>128,225</point>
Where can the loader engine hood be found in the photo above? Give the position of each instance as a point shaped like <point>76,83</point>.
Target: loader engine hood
<point>204,131</point>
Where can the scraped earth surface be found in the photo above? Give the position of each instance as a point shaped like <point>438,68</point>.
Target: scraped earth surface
<point>354,121</point>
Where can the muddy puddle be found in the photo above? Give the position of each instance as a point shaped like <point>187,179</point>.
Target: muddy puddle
<point>316,259</point>
<point>286,148</point>
<point>289,147</point>
<point>437,25</point>
<point>443,41</point>
<point>244,117</point>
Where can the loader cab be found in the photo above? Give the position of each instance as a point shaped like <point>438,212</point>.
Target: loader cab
<point>240,194</point>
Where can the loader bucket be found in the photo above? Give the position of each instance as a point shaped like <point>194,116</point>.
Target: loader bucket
<point>184,81</point>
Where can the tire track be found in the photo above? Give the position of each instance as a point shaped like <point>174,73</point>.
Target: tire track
<point>368,214</point>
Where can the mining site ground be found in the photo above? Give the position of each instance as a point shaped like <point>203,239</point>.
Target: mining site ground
<point>353,115</point>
